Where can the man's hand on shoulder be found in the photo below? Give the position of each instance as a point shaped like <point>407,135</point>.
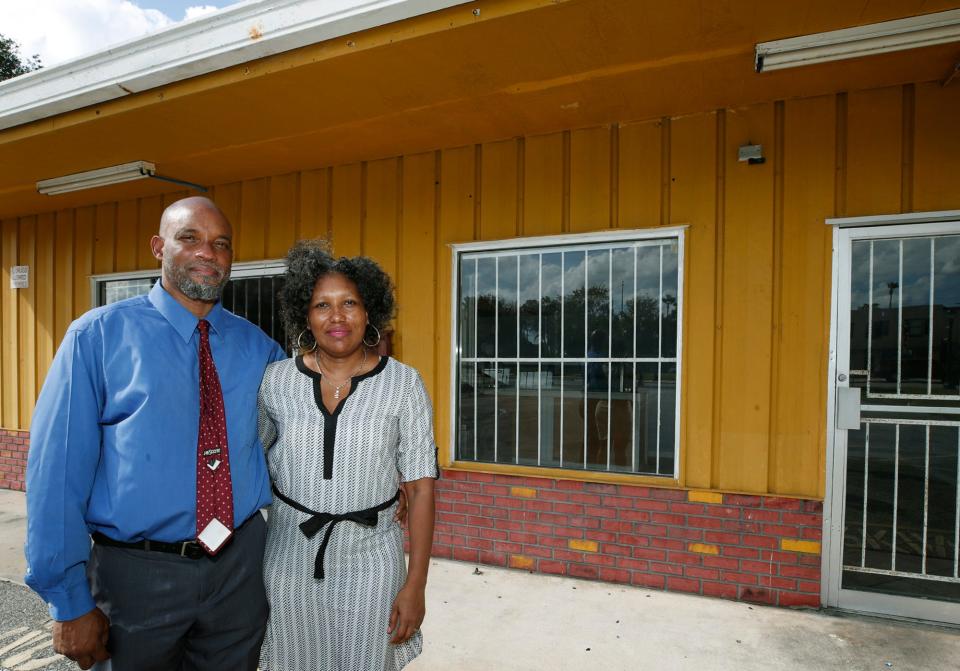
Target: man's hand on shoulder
<point>84,639</point>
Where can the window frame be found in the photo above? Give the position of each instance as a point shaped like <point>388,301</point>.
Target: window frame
<point>545,244</point>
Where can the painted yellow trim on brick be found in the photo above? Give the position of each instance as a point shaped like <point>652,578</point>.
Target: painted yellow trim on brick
<point>521,561</point>
<point>560,474</point>
<point>583,546</point>
<point>704,497</point>
<point>703,548</point>
<point>524,492</point>
<point>795,545</point>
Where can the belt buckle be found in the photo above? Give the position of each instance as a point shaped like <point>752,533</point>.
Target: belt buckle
<point>189,549</point>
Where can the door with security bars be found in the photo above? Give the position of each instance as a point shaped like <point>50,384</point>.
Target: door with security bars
<point>896,451</point>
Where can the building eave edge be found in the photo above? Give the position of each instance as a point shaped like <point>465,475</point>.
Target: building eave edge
<point>233,36</point>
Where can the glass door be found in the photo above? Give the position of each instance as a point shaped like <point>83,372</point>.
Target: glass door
<point>895,550</point>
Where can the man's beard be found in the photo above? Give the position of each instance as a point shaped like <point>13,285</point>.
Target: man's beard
<point>198,291</point>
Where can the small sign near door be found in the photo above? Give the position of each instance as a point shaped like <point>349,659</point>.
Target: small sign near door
<point>20,277</point>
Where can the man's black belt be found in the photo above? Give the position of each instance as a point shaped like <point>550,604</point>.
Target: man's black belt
<point>317,521</point>
<point>190,549</point>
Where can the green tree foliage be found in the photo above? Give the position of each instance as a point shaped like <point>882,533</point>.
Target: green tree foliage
<point>12,64</point>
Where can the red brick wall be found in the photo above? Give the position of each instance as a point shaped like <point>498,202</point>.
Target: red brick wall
<point>13,458</point>
<point>751,548</point>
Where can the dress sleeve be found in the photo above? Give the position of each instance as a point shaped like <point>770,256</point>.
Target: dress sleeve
<point>265,424</point>
<point>65,439</point>
<point>417,454</point>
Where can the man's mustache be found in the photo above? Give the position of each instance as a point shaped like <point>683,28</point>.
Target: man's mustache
<point>209,266</point>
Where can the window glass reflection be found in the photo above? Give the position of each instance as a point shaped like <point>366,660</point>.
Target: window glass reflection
<point>554,379</point>
<point>915,316</point>
<point>574,340</point>
<point>622,302</point>
<point>528,383</point>
<point>486,307</point>
<point>507,306</point>
<point>648,301</point>
<point>468,298</point>
<point>668,301</point>
<point>572,400</point>
<point>598,303</point>
<point>551,305</point>
<point>529,305</point>
<point>886,297</point>
<point>507,413</point>
<point>859,304</point>
<point>945,367</point>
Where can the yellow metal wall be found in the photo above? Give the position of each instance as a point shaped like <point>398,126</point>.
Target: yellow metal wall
<point>758,253</point>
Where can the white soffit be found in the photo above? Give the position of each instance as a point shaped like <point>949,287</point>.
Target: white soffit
<point>875,38</point>
<point>234,35</point>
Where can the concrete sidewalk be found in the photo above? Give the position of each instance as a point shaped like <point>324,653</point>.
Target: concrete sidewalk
<point>488,619</point>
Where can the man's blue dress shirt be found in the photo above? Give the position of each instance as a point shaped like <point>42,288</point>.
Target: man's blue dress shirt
<point>113,442</point>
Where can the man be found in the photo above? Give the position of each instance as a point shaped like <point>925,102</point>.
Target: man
<point>144,437</point>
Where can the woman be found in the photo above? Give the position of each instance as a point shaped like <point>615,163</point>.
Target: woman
<point>343,428</point>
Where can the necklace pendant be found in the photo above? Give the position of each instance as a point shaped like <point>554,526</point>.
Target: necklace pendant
<point>336,393</point>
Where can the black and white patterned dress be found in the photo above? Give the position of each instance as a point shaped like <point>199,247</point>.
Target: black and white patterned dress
<point>348,460</point>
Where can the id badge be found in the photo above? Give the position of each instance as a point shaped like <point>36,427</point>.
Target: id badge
<point>214,535</point>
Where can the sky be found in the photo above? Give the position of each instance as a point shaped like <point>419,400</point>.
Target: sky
<point>61,30</point>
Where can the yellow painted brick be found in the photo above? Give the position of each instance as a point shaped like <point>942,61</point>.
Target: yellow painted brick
<point>795,545</point>
<point>705,497</point>
<point>703,548</point>
<point>583,546</point>
<point>524,492</point>
<point>521,561</point>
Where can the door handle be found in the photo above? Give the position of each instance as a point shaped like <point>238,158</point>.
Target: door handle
<point>848,408</point>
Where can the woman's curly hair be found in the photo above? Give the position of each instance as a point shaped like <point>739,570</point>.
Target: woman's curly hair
<point>308,261</point>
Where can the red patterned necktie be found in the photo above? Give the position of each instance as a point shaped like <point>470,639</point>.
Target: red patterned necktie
<point>214,487</point>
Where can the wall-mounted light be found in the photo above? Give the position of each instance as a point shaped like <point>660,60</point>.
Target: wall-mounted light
<point>875,38</point>
<point>114,174</point>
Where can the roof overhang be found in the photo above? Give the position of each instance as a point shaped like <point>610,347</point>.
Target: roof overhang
<point>235,35</point>
<point>469,73</point>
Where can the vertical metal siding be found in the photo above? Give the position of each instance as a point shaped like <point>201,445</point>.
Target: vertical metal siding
<point>758,254</point>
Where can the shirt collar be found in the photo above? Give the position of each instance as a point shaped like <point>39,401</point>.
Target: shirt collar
<point>181,319</point>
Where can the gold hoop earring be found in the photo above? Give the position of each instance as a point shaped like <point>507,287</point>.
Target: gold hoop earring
<point>300,342</point>
<point>371,344</point>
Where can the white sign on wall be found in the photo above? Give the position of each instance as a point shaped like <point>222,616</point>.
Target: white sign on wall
<point>19,277</point>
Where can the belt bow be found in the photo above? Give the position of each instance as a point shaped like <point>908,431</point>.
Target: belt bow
<point>311,526</point>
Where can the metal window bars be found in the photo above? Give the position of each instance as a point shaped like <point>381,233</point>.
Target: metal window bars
<point>253,297</point>
<point>874,338</point>
<point>909,395</point>
<point>553,398</point>
<point>897,529</point>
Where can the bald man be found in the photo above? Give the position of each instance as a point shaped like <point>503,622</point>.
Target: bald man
<point>144,439</point>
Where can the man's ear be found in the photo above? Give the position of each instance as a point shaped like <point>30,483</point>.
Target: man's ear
<point>156,246</point>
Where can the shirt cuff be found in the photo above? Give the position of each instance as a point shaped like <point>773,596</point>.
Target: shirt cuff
<point>71,604</point>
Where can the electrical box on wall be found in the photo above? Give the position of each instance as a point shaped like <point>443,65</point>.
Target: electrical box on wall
<point>751,154</point>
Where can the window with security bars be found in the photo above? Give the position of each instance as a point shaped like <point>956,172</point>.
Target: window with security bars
<point>567,355</point>
<point>250,293</point>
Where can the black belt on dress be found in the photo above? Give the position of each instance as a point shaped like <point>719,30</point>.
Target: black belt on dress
<point>317,521</point>
<point>190,549</point>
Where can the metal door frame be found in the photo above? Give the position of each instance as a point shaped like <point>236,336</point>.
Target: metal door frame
<point>845,232</point>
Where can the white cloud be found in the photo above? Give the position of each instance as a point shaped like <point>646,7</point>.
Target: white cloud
<point>199,10</point>
<point>61,30</point>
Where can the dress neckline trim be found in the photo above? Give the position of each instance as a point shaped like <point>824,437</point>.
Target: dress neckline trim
<point>309,372</point>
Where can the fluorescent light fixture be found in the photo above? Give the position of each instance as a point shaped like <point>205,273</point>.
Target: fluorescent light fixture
<point>115,174</point>
<point>876,38</point>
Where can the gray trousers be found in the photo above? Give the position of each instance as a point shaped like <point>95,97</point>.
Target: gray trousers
<point>171,613</point>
